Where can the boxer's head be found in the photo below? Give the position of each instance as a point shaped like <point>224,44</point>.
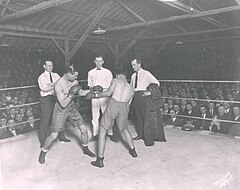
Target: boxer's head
<point>121,74</point>
<point>71,73</point>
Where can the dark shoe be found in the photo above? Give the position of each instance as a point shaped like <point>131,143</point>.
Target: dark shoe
<point>98,162</point>
<point>88,152</point>
<point>161,140</point>
<point>133,153</point>
<point>94,138</point>
<point>113,138</point>
<point>64,139</point>
<point>42,157</point>
<point>137,138</point>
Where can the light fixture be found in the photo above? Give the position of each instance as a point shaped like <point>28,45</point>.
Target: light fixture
<point>167,0</point>
<point>99,31</point>
<point>179,42</point>
<point>4,44</point>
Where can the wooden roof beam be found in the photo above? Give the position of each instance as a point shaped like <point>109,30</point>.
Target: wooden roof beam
<point>191,10</point>
<point>102,10</point>
<point>176,18</point>
<point>193,33</point>
<point>130,11</point>
<point>33,9</point>
<point>134,41</point>
<point>238,2</point>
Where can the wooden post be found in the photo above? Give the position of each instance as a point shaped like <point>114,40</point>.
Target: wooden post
<point>66,48</point>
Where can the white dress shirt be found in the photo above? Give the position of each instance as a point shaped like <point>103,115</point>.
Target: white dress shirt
<point>144,79</point>
<point>102,77</point>
<point>44,80</point>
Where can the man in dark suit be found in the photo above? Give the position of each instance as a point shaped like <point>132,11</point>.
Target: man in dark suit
<point>30,126</point>
<point>211,110</point>
<point>235,128</point>
<point>11,130</point>
<point>174,120</point>
<point>202,123</point>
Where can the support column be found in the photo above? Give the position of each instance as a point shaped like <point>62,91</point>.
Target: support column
<point>66,55</point>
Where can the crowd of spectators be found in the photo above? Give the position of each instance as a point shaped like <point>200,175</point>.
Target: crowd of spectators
<point>207,101</point>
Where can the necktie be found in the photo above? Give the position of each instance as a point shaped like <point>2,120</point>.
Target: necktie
<point>136,79</point>
<point>51,80</point>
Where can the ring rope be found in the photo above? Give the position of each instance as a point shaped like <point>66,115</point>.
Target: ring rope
<point>22,105</point>
<point>23,122</point>
<point>17,88</point>
<point>205,100</point>
<point>199,81</point>
<point>200,118</point>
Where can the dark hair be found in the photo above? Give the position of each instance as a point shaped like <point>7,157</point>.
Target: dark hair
<point>122,72</point>
<point>45,61</point>
<point>99,55</point>
<point>139,61</point>
<point>70,69</point>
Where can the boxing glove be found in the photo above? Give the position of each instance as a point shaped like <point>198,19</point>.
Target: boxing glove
<point>74,91</point>
<point>97,89</point>
<point>90,95</point>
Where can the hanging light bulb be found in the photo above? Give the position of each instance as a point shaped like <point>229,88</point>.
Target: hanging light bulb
<point>99,30</point>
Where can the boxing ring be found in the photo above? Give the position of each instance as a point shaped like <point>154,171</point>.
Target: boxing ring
<point>188,160</point>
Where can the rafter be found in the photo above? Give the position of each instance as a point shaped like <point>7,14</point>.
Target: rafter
<point>176,18</point>
<point>4,9</point>
<point>193,33</point>
<point>98,16</point>
<point>191,10</point>
<point>238,2</point>
<point>33,9</point>
<point>134,41</point>
<point>130,11</point>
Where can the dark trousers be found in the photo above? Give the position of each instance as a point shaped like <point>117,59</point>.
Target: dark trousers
<point>139,103</point>
<point>47,106</point>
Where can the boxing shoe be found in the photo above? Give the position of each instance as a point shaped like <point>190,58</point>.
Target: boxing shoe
<point>64,139</point>
<point>133,153</point>
<point>113,138</point>
<point>98,162</point>
<point>137,138</point>
<point>94,138</point>
<point>41,158</point>
<point>88,152</point>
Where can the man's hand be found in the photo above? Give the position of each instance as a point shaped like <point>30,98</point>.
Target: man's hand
<point>97,89</point>
<point>92,95</point>
<point>74,90</point>
<point>147,93</point>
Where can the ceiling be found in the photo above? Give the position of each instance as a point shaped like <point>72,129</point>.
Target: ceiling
<point>48,24</point>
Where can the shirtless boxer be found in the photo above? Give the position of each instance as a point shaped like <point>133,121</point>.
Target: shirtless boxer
<point>65,109</point>
<point>118,108</point>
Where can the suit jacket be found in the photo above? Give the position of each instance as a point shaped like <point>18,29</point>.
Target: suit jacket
<point>177,123</point>
<point>202,123</point>
<point>28,128</point>
<point>7,133</point>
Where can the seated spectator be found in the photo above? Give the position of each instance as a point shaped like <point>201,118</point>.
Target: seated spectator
<point>3,125</point>
<point>174,120</point>
<point>220,126</point>
<point>11,114</point>
<point>201,123</point>
<point>10,131</point>
<point>31,126</point>
<point>235,128</point>
<point>211,110</point>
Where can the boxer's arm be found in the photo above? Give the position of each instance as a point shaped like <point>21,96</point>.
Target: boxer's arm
<point>64,101</point>
<point>83,92</point>
<point>109,91</point>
